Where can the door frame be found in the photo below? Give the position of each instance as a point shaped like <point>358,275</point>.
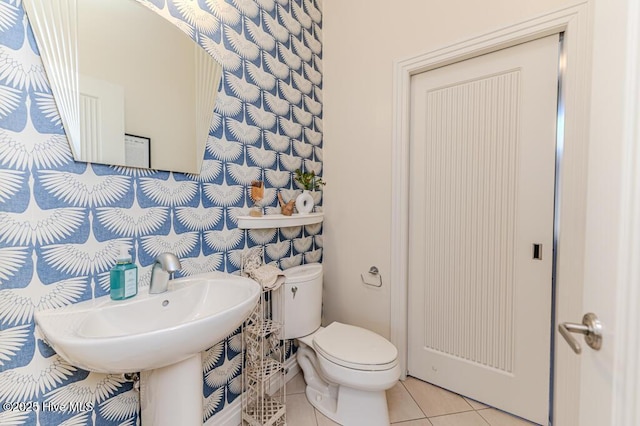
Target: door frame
<point>574,22</point>
<point>611,377</point>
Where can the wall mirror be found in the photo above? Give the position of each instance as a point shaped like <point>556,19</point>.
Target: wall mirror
<point>131,87</point>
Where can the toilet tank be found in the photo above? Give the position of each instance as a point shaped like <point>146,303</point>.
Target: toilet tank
<point>301,295</point>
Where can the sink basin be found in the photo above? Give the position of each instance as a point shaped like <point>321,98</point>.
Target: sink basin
<point>150,331</point>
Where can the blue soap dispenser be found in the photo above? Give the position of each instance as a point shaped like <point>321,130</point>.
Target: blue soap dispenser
<point>124,277</point>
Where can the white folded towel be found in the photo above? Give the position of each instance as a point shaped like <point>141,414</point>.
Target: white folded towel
<point>268,276</point>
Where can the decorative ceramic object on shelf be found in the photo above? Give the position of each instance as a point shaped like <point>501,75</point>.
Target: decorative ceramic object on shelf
<point>257,194</point>
<point>310,182</point>
<point>286,208</point>
<point>304,202</point>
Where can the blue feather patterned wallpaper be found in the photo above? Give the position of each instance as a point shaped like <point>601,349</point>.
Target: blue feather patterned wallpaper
<point>62,222</point>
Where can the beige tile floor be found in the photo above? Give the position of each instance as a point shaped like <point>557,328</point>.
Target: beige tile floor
<point>411,403</point>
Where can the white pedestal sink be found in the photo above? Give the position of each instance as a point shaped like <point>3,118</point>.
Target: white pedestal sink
<point>159,335</point>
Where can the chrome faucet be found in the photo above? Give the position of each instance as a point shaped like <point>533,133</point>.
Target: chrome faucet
<point>163,269</point>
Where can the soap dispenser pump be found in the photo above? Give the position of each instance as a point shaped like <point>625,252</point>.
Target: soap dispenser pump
<point>124,277</point>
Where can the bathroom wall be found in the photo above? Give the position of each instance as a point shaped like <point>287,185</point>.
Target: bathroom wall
<point>362,39</point>
<point>62,222</point>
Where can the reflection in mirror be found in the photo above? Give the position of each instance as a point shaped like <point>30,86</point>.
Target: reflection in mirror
<point>118,68</point>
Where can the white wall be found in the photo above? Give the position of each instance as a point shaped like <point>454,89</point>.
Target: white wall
<point>361,41</point>
<point>164,108</point>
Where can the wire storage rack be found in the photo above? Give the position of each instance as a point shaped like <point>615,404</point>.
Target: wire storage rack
<point>264,399</point>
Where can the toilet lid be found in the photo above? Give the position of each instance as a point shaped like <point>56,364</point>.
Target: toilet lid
<point>355,347</point>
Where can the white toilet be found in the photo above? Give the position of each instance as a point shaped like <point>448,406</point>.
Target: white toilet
<point>347,369</point>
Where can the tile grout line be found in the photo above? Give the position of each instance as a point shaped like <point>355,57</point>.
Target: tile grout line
<point>425,417</point>
<point>481,416</point>
<point>414,400</point>
<point>471,408</point>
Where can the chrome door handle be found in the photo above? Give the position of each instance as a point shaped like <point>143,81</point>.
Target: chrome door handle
<point>590,327</point>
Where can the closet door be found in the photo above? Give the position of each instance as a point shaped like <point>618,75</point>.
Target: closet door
<point>483,145</point>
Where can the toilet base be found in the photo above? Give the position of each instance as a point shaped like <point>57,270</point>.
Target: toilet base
<point>351,407</point>
<point>344,405</point>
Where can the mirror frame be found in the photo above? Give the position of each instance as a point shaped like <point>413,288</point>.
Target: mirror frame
<point>55,26</point>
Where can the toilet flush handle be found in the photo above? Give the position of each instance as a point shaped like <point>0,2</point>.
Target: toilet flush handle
<point>294,290</point>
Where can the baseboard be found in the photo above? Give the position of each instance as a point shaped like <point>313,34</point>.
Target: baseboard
<point>231,415</point>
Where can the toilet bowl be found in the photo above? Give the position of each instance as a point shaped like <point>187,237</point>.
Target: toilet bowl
<point>347,369</point>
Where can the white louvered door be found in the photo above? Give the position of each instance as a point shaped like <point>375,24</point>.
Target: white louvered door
<point>483,144</point>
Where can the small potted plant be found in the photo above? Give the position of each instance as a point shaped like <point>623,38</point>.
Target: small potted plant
<point>309,182</point>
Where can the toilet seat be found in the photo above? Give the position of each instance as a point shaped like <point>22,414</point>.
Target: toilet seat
<point>356,348</point>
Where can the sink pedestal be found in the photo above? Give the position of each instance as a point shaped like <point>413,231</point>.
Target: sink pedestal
<point>172,395</point>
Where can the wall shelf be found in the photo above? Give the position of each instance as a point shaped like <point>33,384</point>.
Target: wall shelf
<point>279,220</point>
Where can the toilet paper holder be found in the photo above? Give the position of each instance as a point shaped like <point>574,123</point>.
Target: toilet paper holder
<point>376,272</point>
